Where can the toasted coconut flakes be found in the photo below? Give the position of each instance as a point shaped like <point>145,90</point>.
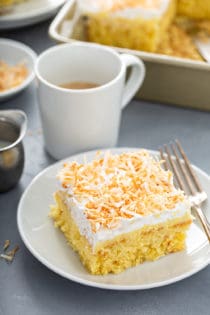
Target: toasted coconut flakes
<point>11,75</point>
<point>13,251</point>
<point>9,256</point>
<point>116,187</point>
<point>6,244</point>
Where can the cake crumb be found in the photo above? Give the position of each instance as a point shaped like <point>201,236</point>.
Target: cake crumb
<point>9,256</point>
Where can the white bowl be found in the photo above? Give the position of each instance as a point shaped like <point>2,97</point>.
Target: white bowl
<point>13,52</point>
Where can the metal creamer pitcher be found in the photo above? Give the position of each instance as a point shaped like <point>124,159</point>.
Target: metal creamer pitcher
<point>13,125</point>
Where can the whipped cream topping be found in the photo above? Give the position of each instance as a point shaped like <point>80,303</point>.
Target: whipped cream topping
<point>130,9</point>
<point>125,225</point>
<point>115,194</point>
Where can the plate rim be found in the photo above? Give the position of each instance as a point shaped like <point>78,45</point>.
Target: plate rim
<point>23,20</point>
<point>91,283</point>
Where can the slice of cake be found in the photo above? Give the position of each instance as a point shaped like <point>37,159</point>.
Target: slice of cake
<point>120,210</point>
<point>196,9</point>
<point>134,24</point>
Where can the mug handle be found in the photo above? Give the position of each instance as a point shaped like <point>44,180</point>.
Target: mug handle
<point>136,77</point>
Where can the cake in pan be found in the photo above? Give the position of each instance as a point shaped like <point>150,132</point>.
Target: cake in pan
<point>120,210</point>
<point>133,24</point>
<point>196,9</point>
<point>178,43</point>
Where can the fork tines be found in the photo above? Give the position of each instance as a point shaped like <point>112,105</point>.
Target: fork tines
<point>176,160</point>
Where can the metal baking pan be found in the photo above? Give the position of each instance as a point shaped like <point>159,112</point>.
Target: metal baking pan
<point>168,79</point>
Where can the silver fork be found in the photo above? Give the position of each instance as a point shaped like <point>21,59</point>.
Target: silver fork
<point>176,160</point>
<point>203,45</point>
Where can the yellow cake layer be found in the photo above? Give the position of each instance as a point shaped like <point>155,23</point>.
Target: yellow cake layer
<point>196,9</point>
<point>138,33</point>
<point>123,251</point>
<point>178,43</point>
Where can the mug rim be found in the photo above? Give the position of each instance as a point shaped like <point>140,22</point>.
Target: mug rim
<point>78,91</point>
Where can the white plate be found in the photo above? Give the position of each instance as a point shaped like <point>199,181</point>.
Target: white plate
<point>29,12</point>
<point>48,245</point>
<point>13,52</point>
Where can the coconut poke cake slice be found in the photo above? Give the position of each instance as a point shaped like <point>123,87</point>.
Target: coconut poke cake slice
<point>134,24</point>
<point>120,210</point>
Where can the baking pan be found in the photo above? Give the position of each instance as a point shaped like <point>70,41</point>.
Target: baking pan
<point>168,79</point>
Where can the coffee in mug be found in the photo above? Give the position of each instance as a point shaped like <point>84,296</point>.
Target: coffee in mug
<point>81,85</point>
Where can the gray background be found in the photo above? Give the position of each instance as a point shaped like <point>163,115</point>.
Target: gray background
<point>26,286</point>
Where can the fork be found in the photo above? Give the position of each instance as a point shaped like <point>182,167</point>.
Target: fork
<point>203,46</point>
<point>175,159</point>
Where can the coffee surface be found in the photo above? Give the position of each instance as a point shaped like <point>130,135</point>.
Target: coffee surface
<point>79,85</point>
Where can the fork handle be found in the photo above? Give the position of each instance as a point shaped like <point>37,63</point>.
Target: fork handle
<point>203,220</point>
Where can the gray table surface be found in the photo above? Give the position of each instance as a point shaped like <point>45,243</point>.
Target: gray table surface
<point>28,287</point>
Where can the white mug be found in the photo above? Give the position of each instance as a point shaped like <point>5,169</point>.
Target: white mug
<point>76,120</point>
